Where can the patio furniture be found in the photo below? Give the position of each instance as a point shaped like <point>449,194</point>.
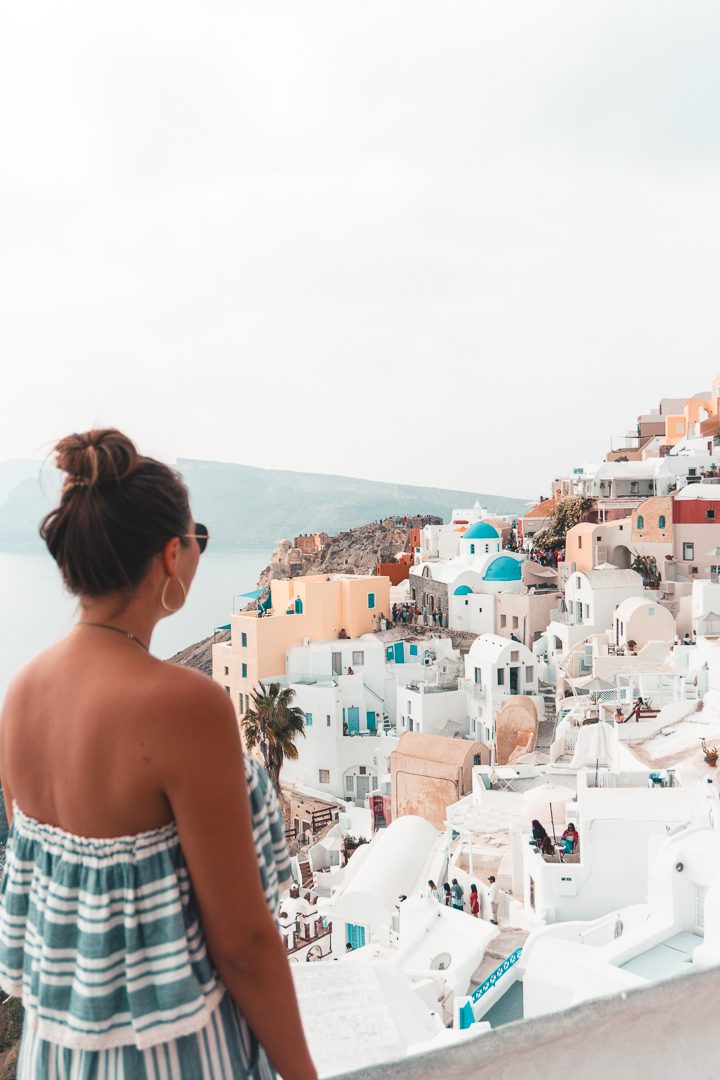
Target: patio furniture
<point>506,777</point>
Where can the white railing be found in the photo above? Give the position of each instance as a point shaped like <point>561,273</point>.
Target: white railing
<point>471,689</point>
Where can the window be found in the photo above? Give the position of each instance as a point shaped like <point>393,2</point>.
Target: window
<point>515,622</point>
<point>641,522</point>
<point>227,689</point>
<point>349,784</point>
<point>243,671</point>
<point>579,541</point>
<point>478,676</point>
<point>710,515</point>
<point>715,569</point>
<point>371,599</point>
<point>661,521</point>
<point>358,659</point>
<point>501,677</point>
<point>472,549</point>
<point>308,719</point>
<point>413,650</point>
<point>514,656</point>
<point>692,472</point>
<point>503,620</point>
<point>227,670</point>
<point>362,770</point>
<point>529,673</point>
<point>243,640</point>
<point>693,569</point>
<point>651,611</point>
<point>327,720</point>
<point>679,427</point>
<point>634,487</point>
<point>324,776</point>
<point>688,552</point>
<point>409,708</point>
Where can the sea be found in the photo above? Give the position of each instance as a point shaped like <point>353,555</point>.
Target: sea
<point>36,610</point>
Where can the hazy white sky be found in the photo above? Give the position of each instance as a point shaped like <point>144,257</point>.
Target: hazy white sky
<point>455,244</point>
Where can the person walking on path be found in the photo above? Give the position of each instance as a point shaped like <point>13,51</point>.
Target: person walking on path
<point>474,901</point>
<point>434,891</point>
<point>457,895</point>
<point>124,779</point>
<point>448,895</point>
<point>494,899</point>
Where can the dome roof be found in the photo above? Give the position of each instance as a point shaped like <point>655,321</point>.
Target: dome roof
<point>503,569</point>
<point>480,530</point>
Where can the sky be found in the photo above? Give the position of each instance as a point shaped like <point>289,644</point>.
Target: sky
<point>456,244</point>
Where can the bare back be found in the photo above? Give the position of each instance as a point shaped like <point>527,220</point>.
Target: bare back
<point>86,735</point>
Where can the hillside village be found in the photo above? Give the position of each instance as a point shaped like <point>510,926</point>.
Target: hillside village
<point>504,799</point>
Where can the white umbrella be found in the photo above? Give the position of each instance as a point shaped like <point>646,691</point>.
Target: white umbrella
<point>595,746</point>
<point>594,685</point>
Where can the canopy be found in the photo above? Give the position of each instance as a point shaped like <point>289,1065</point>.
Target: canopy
<point>540,798</point>
<point>254,595</point>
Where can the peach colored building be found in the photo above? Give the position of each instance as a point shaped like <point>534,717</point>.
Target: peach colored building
<point>429,772</point>
<point>311,608</point>
<point>590,544</point>
<point>516,727</point>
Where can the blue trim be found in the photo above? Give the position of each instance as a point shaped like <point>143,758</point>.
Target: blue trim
<point>371,721</point>
<point>371,599</point>
<point>462,590</point>
<point>466,1016</point>
<point>354,935</point>
<point>413,650</point>
<point>499,971</point>
<point>243,671</point>
<point>308,719</point>
<point>353,719</point>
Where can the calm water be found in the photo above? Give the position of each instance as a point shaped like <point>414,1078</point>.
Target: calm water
<point>35,610</point>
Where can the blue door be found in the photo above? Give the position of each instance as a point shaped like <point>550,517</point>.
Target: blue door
<point>372,721</point>
<point>399,653</point>
<point>354,935</point>
<point>353,715</point>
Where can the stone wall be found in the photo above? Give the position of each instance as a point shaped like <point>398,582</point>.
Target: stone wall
<point>428,592</point>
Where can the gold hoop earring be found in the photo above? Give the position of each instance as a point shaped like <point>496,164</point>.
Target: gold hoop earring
<point>163,599</point>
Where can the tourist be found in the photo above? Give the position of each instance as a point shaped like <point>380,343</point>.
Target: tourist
<point>448,895</point>
<point>494,899</point>
<point>100,739</point>
<point>434,891</point>
<point>474,901</point>
<point>546,846</point>
<point>383,623</point>
<point>440,617</point>
<point>619,716</point>
<point>687,640</point>
<point>538,832</point>
<point>570,839</point>
<point>349,947</point>
<point>343,634</point>
<point>374,623</point>
<point>458,896</point>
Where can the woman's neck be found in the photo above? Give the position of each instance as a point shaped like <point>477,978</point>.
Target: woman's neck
<point>130,616</point>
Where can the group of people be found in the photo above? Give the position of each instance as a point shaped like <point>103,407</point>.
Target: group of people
<point>408,615</point>
<point>453,895</point>
<point>569,841</point>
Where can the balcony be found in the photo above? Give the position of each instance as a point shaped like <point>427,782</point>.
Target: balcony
<point>471,689</point>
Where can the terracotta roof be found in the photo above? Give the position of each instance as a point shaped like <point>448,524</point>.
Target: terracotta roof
<point>542,509</point>
<point>435,748</point>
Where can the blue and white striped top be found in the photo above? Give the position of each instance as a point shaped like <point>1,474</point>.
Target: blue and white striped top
<point>101,938</point>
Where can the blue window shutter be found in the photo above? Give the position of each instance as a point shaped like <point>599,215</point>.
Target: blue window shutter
<point>243,640</point>
<point>244,671</point>
<point>371,599</point>
<point>308,719</point>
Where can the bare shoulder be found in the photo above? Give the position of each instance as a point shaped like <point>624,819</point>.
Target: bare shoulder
<point>191,695</point>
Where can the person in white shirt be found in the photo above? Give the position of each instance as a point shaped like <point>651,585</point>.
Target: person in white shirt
<point>494,898</point>
<point>434,891</point>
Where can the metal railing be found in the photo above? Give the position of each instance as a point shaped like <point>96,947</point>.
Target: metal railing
<point>499,971</point>
<point>472,689</point>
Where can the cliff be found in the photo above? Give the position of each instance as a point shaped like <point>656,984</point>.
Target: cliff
<point>355,551</point>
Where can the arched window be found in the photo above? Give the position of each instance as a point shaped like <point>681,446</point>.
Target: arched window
<point>661,521</point>
<point>472,549</point>
<point>641,522</point>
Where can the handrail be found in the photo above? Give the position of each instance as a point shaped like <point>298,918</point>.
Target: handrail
<point>499,971</point>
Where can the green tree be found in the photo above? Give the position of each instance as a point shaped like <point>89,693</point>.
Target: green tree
<point>646,566</point>
<point>272,724</point>
<point>569,512</point>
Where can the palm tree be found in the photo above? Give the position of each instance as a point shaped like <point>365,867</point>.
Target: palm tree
<point>272,724</point>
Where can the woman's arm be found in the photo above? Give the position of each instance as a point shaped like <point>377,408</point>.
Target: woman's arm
<point>204,780</point>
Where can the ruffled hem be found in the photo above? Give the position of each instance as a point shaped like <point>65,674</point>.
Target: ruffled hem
<point>58,1031</point>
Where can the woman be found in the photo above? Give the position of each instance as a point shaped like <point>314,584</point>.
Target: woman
<point>474,901</point>
<point>136,914</point>
<point>538,832</point>
<point>570,839</point>
<point>434,891</point>
<point>447,895</point>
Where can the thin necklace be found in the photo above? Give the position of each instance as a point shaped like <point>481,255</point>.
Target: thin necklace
<point>118,630</point>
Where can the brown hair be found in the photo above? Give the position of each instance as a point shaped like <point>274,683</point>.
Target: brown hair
<point>117,510</point>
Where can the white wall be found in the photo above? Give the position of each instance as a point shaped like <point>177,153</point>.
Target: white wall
<point>474,613</point>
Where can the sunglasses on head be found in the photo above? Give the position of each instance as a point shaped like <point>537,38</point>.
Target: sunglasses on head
<point>201,534</point>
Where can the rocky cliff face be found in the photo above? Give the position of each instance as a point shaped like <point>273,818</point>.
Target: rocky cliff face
<point>356,551</point>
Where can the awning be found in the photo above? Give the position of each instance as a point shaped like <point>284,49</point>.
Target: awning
<point>255,595</point>
<point>225,627</point>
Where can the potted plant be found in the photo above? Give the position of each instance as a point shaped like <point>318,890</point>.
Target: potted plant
<point>711,753</point>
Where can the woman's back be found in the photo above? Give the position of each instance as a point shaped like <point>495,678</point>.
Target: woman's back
<point>145,851</point>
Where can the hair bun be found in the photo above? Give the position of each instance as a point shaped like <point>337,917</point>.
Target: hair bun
<point>96,457</point>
